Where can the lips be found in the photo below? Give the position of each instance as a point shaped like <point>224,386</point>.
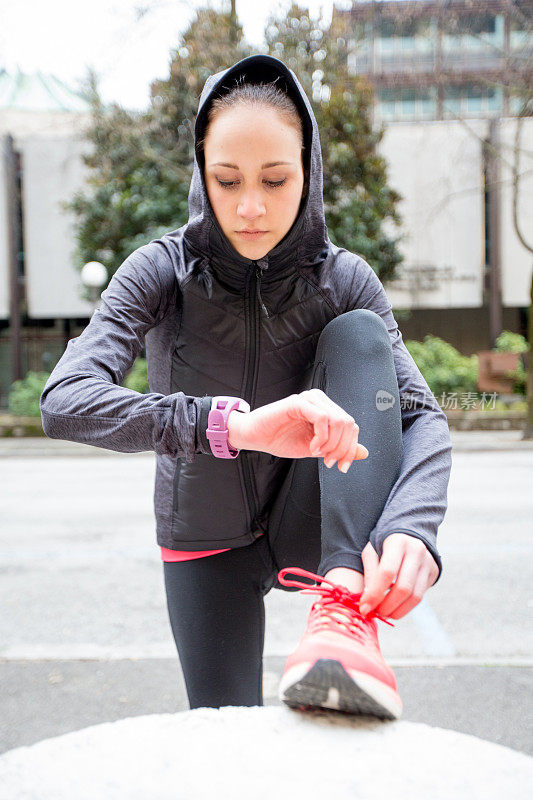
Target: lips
<point>247,234</point>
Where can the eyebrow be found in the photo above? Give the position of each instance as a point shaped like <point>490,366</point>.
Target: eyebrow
<point>265,166</point>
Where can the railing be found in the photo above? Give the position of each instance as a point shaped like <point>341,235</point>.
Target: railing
<point>364,63</point>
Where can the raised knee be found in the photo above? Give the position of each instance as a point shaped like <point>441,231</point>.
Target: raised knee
<point>364,318</point>
<point>361,329</point>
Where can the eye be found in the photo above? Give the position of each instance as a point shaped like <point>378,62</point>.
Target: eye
<point>231,184</point>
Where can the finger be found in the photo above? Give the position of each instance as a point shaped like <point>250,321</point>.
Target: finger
<point>362,452</point>
<point>433,571</point>
<point>384,576</point>
<point>347,449</point>
<point>351,454</point>
<point>341,445</point>
<point>316,395</point>
<point>330,449</point>
<point>328,443</point>
<point>370,564</point>
<point>318,416</point>
<point>320,438</point>
<point>347,445</point>
<point>403,586</point>
<point>423,582</point>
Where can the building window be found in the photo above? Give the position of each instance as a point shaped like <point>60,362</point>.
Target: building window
<point>519,36</point>
<point>407,103</point>
<point>472,100</point>
<point>484,23</point>
<point>408,28</point>
<point>474,32</point>
<point>387,28</point>
<point>494,99</point>
<point>515,104</point>
<point>387,103</point>
<point>405,36</point>
<point>451,100</point>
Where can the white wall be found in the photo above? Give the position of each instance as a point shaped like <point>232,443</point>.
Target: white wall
<point>517,261</point>
<point>437,168</point>
<point>52,172</point>
<point>51,148</point>
<point>4,241</point>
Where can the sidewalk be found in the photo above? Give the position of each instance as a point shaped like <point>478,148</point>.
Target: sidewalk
<point>469,441</point>
<point>44,698</point>
<point>464,441</point>
<point>86,637</point>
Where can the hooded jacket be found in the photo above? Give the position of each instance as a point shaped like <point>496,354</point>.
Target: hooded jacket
<point>215,322</point>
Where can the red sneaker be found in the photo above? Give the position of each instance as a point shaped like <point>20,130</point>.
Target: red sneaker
<point>338,663</point>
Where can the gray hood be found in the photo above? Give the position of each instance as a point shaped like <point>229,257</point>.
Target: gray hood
<point>306,244</point>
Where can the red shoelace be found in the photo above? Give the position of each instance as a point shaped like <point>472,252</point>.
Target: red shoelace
<point>333,598</point>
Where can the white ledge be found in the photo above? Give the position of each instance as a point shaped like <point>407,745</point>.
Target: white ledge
<point>264,752</point>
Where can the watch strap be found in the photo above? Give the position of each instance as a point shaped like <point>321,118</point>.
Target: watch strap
<point>217,424</point>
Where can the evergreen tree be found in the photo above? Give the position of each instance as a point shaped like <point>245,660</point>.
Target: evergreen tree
<point>141,163</point>
<point>357,198</point>
<point>140,167</point>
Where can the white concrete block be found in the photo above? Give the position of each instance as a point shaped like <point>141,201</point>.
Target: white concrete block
<point>264,752</point>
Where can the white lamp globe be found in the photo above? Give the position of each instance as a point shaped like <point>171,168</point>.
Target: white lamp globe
<point>93,274</point>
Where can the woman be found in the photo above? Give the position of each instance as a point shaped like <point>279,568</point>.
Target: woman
<point>269,349</point>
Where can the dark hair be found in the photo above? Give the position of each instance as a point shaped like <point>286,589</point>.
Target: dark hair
<point>258,94</point>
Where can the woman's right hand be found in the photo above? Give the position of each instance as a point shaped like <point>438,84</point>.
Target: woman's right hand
<point>299,426</point>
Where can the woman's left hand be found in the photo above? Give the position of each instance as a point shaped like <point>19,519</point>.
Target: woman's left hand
<point>406,560</point>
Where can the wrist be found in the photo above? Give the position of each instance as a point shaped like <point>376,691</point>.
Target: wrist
<point>235,429</point>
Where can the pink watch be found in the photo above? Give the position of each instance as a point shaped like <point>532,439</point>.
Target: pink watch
<point>217,424</point>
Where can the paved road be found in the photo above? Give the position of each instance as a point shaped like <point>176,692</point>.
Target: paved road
<point>85,636</point>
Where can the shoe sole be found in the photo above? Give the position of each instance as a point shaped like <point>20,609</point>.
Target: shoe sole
<point>328,685</point>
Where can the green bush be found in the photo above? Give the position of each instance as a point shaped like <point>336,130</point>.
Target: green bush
<point>509,342</point>
<point>137,377</point>
<point>24,394</point>
<point>447,370</point>
<point>444,368</point>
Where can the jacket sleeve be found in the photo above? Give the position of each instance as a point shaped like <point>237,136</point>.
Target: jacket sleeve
<point>418,501</point>
<point>83,400</point>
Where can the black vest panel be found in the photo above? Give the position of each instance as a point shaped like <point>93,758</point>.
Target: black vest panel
<point>228,345</point>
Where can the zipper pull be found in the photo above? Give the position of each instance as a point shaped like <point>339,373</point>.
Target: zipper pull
<point>258,274</point>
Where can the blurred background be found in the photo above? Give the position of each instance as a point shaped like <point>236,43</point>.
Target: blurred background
<point>426,118</point>
<point>425,111</point>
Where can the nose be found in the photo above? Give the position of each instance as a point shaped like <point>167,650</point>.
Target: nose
<point>250,205</point>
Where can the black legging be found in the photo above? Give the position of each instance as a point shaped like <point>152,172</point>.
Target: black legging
<point>321,519</point>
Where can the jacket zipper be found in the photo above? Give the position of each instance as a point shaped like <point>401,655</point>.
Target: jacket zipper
<point>258,275</point>
<point>249,388</point>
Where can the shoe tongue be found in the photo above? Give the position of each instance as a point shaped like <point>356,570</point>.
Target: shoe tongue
<point>338,614</point>
<point>343,614</point>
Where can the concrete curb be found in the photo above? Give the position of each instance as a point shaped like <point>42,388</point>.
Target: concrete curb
<point>43,447</point>
<point>15,427</point>
<point>477,421</point>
